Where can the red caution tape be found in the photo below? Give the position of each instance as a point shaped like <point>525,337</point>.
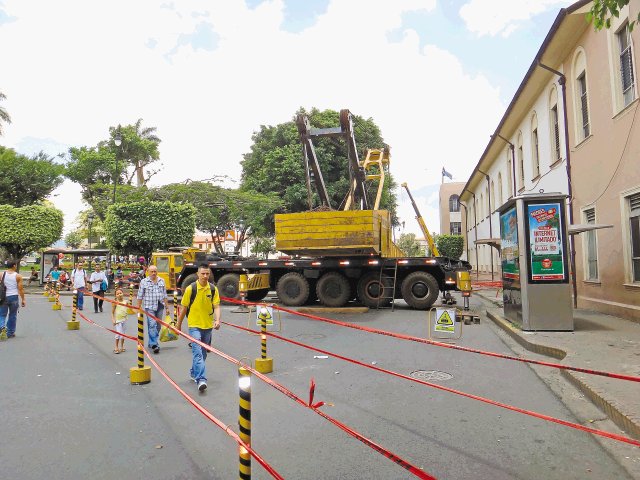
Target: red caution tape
<point>619,376</point>
<point>576,426</point>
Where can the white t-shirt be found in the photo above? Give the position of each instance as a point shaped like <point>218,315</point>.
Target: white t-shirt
<point>11,282</point>
<point>95,287</point>
<point>78,278</point>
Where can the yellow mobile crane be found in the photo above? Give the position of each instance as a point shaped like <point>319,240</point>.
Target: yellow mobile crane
<point>423,226</point>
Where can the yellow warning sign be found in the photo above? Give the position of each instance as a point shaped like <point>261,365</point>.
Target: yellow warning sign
<point>264,312</point>
<point>445,319</point>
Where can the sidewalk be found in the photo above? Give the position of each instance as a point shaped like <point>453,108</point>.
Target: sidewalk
<point>600,342</point>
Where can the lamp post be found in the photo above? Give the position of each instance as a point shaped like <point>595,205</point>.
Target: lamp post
<point>90,221</point>
<point>118,141</point>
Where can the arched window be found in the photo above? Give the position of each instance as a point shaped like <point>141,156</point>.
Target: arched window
<point>481,206</point>
<point>500,189</point>
<point>493,198</point>
<point>554,125</point>
<point>581,98</point>
<point>535,149</point>
<point>454,203</point>
<point>509,172</point>
<point>520,164</point>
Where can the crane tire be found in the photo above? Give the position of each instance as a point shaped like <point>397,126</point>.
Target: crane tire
<point>293,289</point>
<point>229,286</point>
<point>371,288</point>
<point>420,290</point>
<point>333,289</point>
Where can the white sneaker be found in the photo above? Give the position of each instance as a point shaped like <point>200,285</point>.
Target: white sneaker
<point>202,386</point>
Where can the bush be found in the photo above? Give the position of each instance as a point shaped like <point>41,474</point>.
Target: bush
<point>450,245</point>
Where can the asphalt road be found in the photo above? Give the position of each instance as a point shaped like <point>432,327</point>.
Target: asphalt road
<point>70,412</point>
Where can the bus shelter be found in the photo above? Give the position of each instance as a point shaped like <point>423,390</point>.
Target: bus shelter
<point>67,259</point>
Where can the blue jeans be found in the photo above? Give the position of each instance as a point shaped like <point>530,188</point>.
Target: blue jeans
<point>198,370</point>
<point>153,327</point>
<point>80,297</point>
<point>10,307</point>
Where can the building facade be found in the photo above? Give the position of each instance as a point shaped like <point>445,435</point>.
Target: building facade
<point>571,128</point>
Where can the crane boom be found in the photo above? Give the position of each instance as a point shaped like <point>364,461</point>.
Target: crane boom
<point>423,226</point>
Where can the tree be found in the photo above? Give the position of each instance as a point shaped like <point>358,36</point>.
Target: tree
<point>27,180</point>
<point>602,11</point>
<point>29,228</point>
<point>264,246</point>
<point>4,115</point>
<point>219,209</point>
<point>142,227</point>
<point>410,246</point>
<point>275,164</point>
<point>450,245</point>
<point>97,169</point>
<point>73,239</point>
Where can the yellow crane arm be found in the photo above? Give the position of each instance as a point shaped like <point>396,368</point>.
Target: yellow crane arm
<point>423,226</point>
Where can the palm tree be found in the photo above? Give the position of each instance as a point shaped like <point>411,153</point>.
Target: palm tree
<point>4,115</point>
<point>146,157</point>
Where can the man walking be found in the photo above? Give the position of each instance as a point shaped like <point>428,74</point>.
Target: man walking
<point>152,296</point>
<point>13,282</point>
<point>201,303</point>
<point>79,282</point>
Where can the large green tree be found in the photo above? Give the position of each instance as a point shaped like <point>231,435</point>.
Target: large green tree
<point>219,209</point>
<point>603,11</point>
<point>25,229</point>
<point>275,164</point>
<point>27,180</point>
<point>4,115</point>
<point>100,169</point>
<point>143,227</point>
<point>450,246</point>
<point>410,245</point>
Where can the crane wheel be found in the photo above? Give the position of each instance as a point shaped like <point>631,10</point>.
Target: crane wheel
<point>293,289</point>
<point>374,292</point>
<point>229,286</point>
<point>189,279</point>
<point>420,290</point>
<point>333,289</point>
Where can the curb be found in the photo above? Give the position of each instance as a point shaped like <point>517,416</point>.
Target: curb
<point>608,406</point>
<point>343,310</point>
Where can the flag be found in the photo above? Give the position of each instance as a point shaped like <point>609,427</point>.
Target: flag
<point>446,174</point>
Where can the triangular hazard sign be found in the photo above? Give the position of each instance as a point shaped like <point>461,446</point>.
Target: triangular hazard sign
<point>444,319</point>
<point>229,236</point>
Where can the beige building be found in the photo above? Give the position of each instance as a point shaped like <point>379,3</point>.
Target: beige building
<point>452,220</point>
<point>594,159</point>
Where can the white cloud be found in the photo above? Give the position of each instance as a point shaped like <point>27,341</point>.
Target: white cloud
<point>497,17</point>
<point>75,68</point>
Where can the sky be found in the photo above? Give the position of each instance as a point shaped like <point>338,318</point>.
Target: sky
<point>435,75</point>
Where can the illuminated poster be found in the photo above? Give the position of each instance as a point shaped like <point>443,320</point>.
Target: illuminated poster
<point>509,244</point>
<point>546,255</point>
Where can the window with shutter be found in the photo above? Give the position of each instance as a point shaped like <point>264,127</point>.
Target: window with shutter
<point>626,65</point>
<point>555,133</point>
<point>535,152</point>
<point>634,232</point>
<point>584,107</point>
<point>591,246</point>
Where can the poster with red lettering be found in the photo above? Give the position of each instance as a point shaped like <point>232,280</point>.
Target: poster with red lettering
<point>545,242</point>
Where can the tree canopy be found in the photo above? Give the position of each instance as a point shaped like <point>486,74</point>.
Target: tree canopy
<point>275,164</point>
<point>219,209</point>
<point>27,180</point>
<point>98,169</point>
<point>602,12</point>
<point>29,228</point>
<point>410,246</point>
<point>450,245</point>
<point>143,227</point>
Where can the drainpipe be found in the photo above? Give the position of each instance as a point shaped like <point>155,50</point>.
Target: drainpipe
<point>475,228</point>
<point>513,162</point>
<point>562,81</point>
<point>490,227</point>
<point>466,223</point>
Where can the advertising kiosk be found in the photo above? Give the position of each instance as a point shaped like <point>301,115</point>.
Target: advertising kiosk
<point>535,262</point>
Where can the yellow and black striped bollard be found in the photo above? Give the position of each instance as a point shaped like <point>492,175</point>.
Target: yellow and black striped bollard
<point>264,364</point>
<point>45,293</point>
<point>244,422</point>
<point>52,292</point>
<point>57,305</point>
<point>175,307</point>
<point>130,310</point>
<point>74,324</point>
<point>140,374</point>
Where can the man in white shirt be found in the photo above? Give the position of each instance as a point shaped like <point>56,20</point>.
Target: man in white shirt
<point>79,282</point>
<point>96,279</point>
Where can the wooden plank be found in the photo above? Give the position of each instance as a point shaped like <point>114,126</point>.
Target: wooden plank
<point>334,229</point>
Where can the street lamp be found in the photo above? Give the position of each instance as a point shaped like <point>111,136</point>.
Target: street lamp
<point>118,141</point>
<point>90,221</point>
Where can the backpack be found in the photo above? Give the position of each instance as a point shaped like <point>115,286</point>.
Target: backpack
<point>194,293</point>
<point>3,290</point>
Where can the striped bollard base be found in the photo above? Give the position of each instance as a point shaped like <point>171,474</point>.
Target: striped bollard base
<point>140,374</point>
